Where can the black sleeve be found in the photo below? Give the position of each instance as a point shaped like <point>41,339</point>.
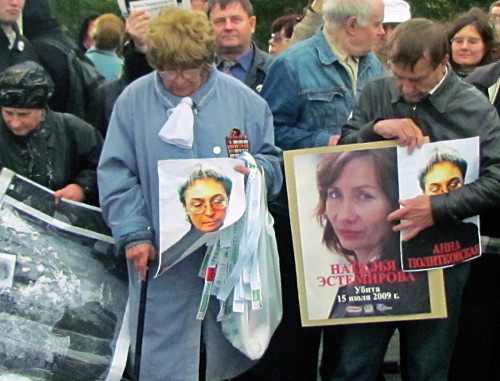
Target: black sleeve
<point>86,145</point>
<point>56,64</point>
<point>136,64</point>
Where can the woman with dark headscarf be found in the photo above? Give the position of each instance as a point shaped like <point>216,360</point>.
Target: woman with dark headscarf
<point>59,151</point>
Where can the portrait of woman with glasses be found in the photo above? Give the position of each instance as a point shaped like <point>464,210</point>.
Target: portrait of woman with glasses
<point>199,199</point>
<point>205,197</point>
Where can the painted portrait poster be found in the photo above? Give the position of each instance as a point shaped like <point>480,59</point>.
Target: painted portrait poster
<point>199,198</point>
<point>436,169</point>
<point>347,256</point>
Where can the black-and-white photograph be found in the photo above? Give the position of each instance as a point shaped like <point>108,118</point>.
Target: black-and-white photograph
<point>63,289</point>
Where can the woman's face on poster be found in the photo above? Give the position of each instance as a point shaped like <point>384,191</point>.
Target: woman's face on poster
<point>206,204</point>
<point>442,178</point>
<point>357,208</point>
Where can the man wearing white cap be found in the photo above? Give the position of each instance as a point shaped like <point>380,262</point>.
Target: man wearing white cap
<point>395,13</point>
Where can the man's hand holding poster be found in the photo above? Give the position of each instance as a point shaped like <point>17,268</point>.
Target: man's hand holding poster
<point>437,169</point>
<point>347,254</point>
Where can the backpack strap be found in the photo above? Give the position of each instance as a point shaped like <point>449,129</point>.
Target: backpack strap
<point>53,42</point>
<point>64,48</point>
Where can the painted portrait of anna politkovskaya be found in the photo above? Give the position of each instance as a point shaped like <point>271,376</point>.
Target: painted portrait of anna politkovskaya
<point>199,198</point>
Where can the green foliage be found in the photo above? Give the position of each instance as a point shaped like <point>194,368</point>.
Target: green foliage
<point>269,10</point>
<point>71,13</point>
<point>444,10</point>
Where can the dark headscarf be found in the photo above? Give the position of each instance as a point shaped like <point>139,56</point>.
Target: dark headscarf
<point>25,85</point>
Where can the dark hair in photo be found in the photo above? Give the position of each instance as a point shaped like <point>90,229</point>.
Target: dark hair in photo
<point>201,173</point>
<point>442,155</point>
<point>330,169</point>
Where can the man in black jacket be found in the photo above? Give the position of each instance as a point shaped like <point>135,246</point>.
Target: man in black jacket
<point>41,27</point>
<point>477,349</point>
<point>14,48</point>
<point>423,97</point>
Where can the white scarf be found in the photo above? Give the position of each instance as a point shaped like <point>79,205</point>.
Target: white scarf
<point>178,129</point>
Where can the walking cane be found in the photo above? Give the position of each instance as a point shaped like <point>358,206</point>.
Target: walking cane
<point>140,327</point>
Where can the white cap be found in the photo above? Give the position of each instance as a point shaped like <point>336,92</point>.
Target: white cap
<point>396,11</point>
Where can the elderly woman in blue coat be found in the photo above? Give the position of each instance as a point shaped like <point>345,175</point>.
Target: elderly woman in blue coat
<point>183,110</point>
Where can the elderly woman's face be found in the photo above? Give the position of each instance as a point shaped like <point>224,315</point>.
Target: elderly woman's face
<point>206,204</point>
<point>357,208</point>
<point>21,121</point>
<point>467,47</point>
<point>183,82</point>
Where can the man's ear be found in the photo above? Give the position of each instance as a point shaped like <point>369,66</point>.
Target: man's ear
<point>253,23</point>
<point>351,24</point>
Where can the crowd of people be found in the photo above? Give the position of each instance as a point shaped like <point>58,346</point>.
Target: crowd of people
<point>343,72</point>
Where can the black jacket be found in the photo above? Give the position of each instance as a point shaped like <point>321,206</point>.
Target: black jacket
<point>21,51</point>
<point>484,77</point>
<point>39,23</point>
<point>258,71</point>
<point>455,110</point>
<point>63,150</point>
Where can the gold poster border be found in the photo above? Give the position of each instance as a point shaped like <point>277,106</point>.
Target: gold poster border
<point>435,277</point>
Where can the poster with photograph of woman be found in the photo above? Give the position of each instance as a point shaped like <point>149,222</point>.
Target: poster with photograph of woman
<point>434,170</point>
<point>198,199</point>
<point>347,256</point>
